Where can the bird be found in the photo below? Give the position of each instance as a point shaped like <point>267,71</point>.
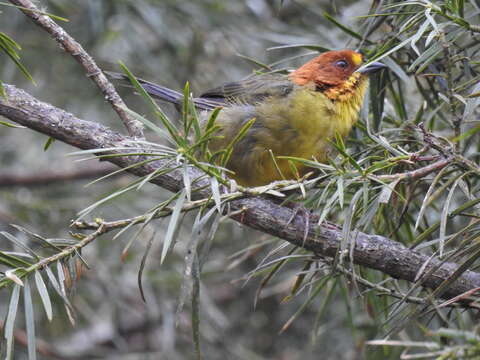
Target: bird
<point>295,115</point>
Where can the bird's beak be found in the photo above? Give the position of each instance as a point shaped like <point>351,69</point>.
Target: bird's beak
<point>372,67</point>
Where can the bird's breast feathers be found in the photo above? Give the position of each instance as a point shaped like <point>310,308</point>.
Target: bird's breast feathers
<point>315,116</point>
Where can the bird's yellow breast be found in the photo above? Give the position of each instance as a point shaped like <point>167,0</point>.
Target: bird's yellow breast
<point>315,117</point>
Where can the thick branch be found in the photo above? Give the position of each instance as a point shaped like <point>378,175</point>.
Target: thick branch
<point>71,46</point>
<point>373,251</point>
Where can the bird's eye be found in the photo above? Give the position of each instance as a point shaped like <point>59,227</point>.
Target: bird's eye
<point>341,64</point>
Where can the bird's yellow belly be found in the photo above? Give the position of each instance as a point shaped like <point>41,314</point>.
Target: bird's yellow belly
<point>302,126</point>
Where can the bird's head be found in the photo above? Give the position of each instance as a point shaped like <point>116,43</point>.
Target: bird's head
<point>334,73</point>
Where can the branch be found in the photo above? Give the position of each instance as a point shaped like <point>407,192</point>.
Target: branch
<point>71,46</point>
<point>50,177</point>
<point>418,173</point>
<point>372,251</point>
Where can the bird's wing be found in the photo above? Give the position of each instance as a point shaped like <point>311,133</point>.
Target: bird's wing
<point>251,90</point>
<point>248,91</point>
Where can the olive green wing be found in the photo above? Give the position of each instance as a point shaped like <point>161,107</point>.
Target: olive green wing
<point>251,90</point>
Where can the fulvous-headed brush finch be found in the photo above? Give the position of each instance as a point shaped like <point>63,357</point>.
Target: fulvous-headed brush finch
<point>296,115</point>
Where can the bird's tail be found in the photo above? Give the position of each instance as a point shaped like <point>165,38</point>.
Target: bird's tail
<point>163,93</point>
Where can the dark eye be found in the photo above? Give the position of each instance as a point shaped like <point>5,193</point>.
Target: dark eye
<point>341,64</point>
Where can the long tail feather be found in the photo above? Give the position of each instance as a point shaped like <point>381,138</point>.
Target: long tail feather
<point>169,95</point>
<point>161,92</point>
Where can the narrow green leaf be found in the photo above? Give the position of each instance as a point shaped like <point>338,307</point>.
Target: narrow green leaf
<point>255,62</point>
<point>9,323</point>
<point>19,243</point>
<point>397,69</point>
<point>54,282</point>
<point>142,265</point>
<point>342,27</point>
<point>12,261</point>
<point>117,193</point>
<point>55,17</point>
<point>392,50</point>
<point>326,300</point>
<point>29,321</point>
<point>415,38</point>
<point>275,163</point>
<point>387,190</point>
<point>172,130</point>
<point>190,255</point>
<point>427,200</point>
<point>196,308</point>
<point>42,290</point>
<point>341,191</point>
<point>312,296</point>
<point>9,47</point>
<point>460,8</point>
<point>347,230</point>
<point>429,55</point>
<point>6,123</point>
<point>303,46</point>
<point>270,275</point>
<point>61,278</point>
<point>445,213</point>
<point>187,183</point>
<point>172,225</point>
<point>216,193</point>
<point>472,103</point>
<point>48,143</point>
<point>152,126</point>
<point>36,237</point>
<point>328,206</point>
<point>149,217</point>
<point>241,133</point>
<point>3,93</point>
<point>185,109</point>
<point>465,266</point>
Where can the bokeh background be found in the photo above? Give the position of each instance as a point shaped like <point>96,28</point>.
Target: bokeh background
<point>205,42</point>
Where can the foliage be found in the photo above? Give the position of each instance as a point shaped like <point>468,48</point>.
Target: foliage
<point>409,172</point>
<point>10,47</point>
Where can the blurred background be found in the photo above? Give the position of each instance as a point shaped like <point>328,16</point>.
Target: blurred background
<point>205,42</point>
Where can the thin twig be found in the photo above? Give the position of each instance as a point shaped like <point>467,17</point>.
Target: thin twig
<point>455,302</point>
<point>159,213</point>
<point>66,252</point>
<point>71,46</point>
<point>417,173</point>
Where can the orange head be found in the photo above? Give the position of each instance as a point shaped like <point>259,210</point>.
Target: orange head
<point>332,68</point>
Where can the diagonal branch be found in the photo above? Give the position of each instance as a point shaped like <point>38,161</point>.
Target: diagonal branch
<point>71,46</point>
<point>372,251</point>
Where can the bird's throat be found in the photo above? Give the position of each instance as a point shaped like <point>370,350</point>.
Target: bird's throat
<point>347,90</point>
